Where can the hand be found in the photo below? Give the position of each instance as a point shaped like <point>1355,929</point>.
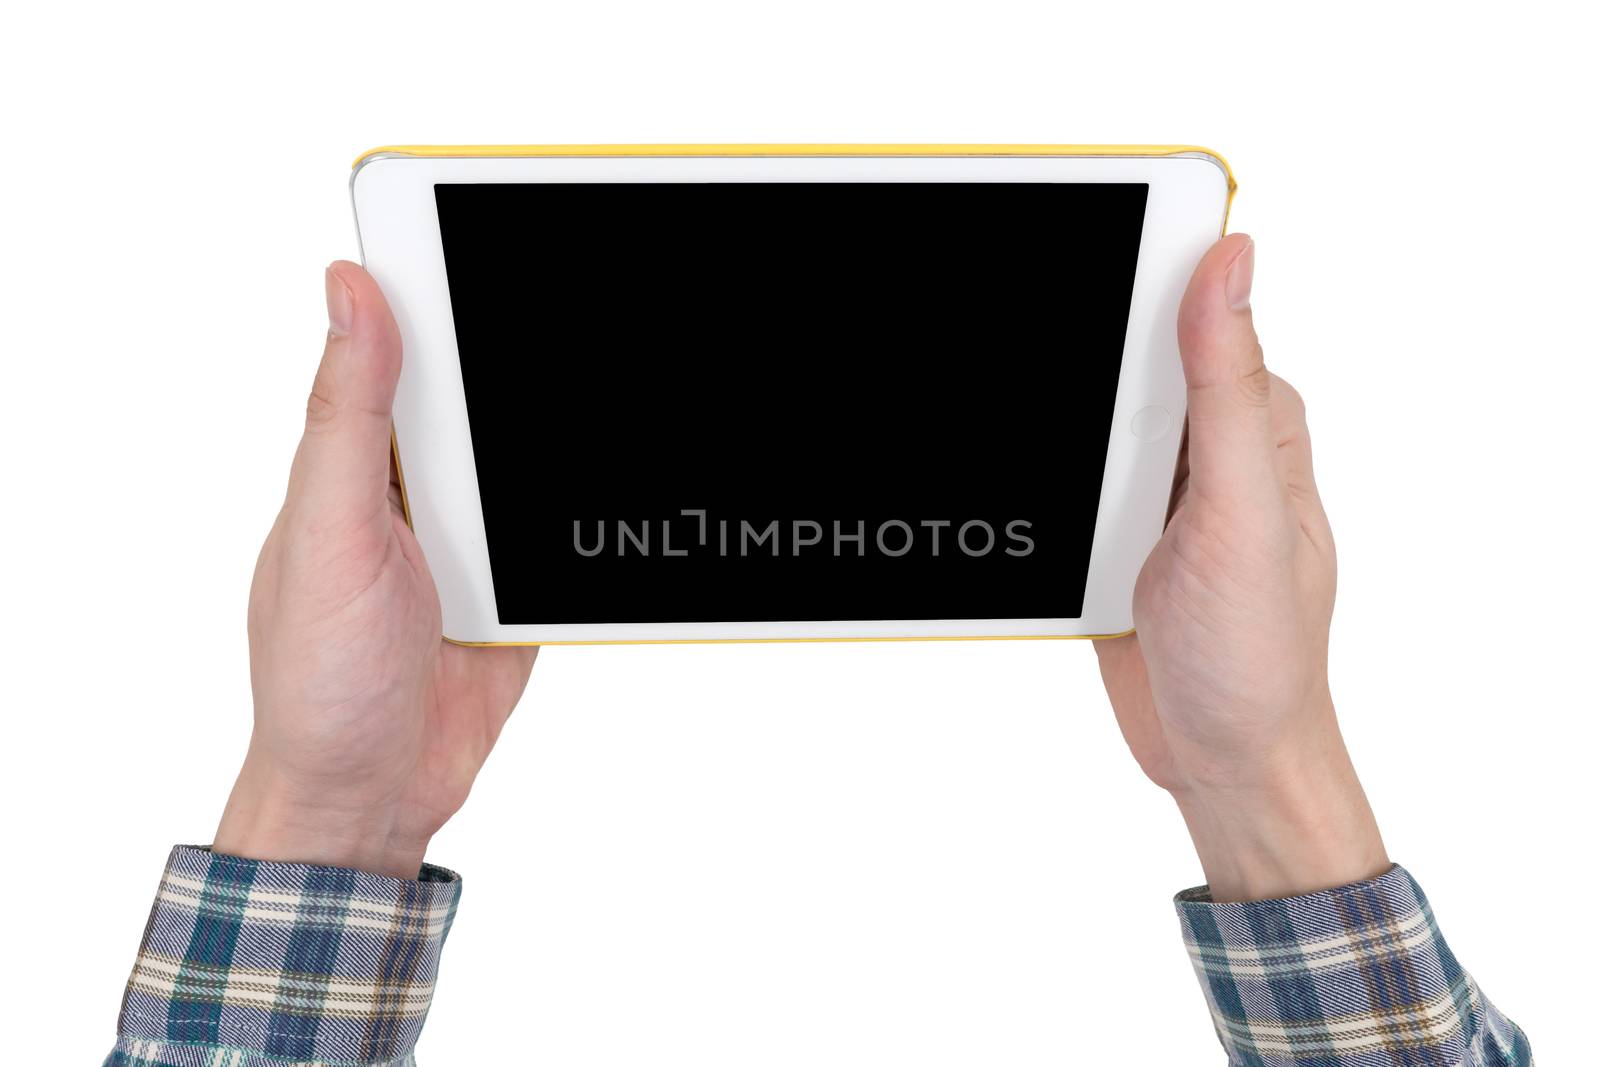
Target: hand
<point>1222,694</point>
<point>369,728</point>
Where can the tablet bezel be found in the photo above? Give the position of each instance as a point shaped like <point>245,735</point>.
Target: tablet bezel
<point>397,221</point>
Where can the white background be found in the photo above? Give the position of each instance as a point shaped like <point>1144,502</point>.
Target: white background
<point>921,853</point>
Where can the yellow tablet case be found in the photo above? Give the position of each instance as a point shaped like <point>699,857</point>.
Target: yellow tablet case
<point>482,151</point>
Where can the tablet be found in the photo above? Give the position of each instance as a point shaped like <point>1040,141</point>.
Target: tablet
<point>787,392</point>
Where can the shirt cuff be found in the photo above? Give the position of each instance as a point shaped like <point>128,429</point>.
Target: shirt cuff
<point>1352,977</point>
<point>249,963</point>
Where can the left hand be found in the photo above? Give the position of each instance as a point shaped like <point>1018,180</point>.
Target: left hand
<point>369,727</point>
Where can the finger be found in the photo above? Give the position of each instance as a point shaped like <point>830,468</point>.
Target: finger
<point>1127,682</point>
<point>1230,427</point>
<point>522,659</point>
<point>343,465</point>
<point>1293,440</point>
<point>1180,477</point>
<point>397,492</point>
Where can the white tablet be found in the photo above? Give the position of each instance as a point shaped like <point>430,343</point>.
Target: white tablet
<point>787,392</point>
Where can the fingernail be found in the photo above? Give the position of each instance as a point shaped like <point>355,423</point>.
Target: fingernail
<point>341,306</point>
<point>1240,273</point>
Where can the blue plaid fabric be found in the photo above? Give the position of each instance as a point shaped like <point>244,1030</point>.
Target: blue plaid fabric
<point>252,964</point>
<point>1354,977</point>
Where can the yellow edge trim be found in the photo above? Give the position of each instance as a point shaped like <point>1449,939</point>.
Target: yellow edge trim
<point>488,151</point>
<point>483,151</point>
<point>790,640</point>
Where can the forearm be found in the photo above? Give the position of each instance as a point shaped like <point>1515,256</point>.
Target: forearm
<point>1311,947</point>
<point>268,818</point>
<point>1297,824</point>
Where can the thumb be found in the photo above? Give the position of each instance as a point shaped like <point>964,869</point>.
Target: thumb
<point>342,466</point>
<point>1230,423</point>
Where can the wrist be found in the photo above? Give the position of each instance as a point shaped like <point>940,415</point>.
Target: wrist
<point>269,817</point>
<point>1299,825</point>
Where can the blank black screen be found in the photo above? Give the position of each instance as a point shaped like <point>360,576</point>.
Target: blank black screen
<point>813,401</point>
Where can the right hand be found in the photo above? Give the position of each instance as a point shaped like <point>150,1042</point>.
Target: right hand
<point>1222,693</point>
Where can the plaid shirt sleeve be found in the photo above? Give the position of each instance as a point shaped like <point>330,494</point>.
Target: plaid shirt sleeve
<point>254,964</point>
<point>1353,977</point>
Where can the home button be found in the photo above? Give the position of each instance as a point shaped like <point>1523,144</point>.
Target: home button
<point>1151,423</point>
